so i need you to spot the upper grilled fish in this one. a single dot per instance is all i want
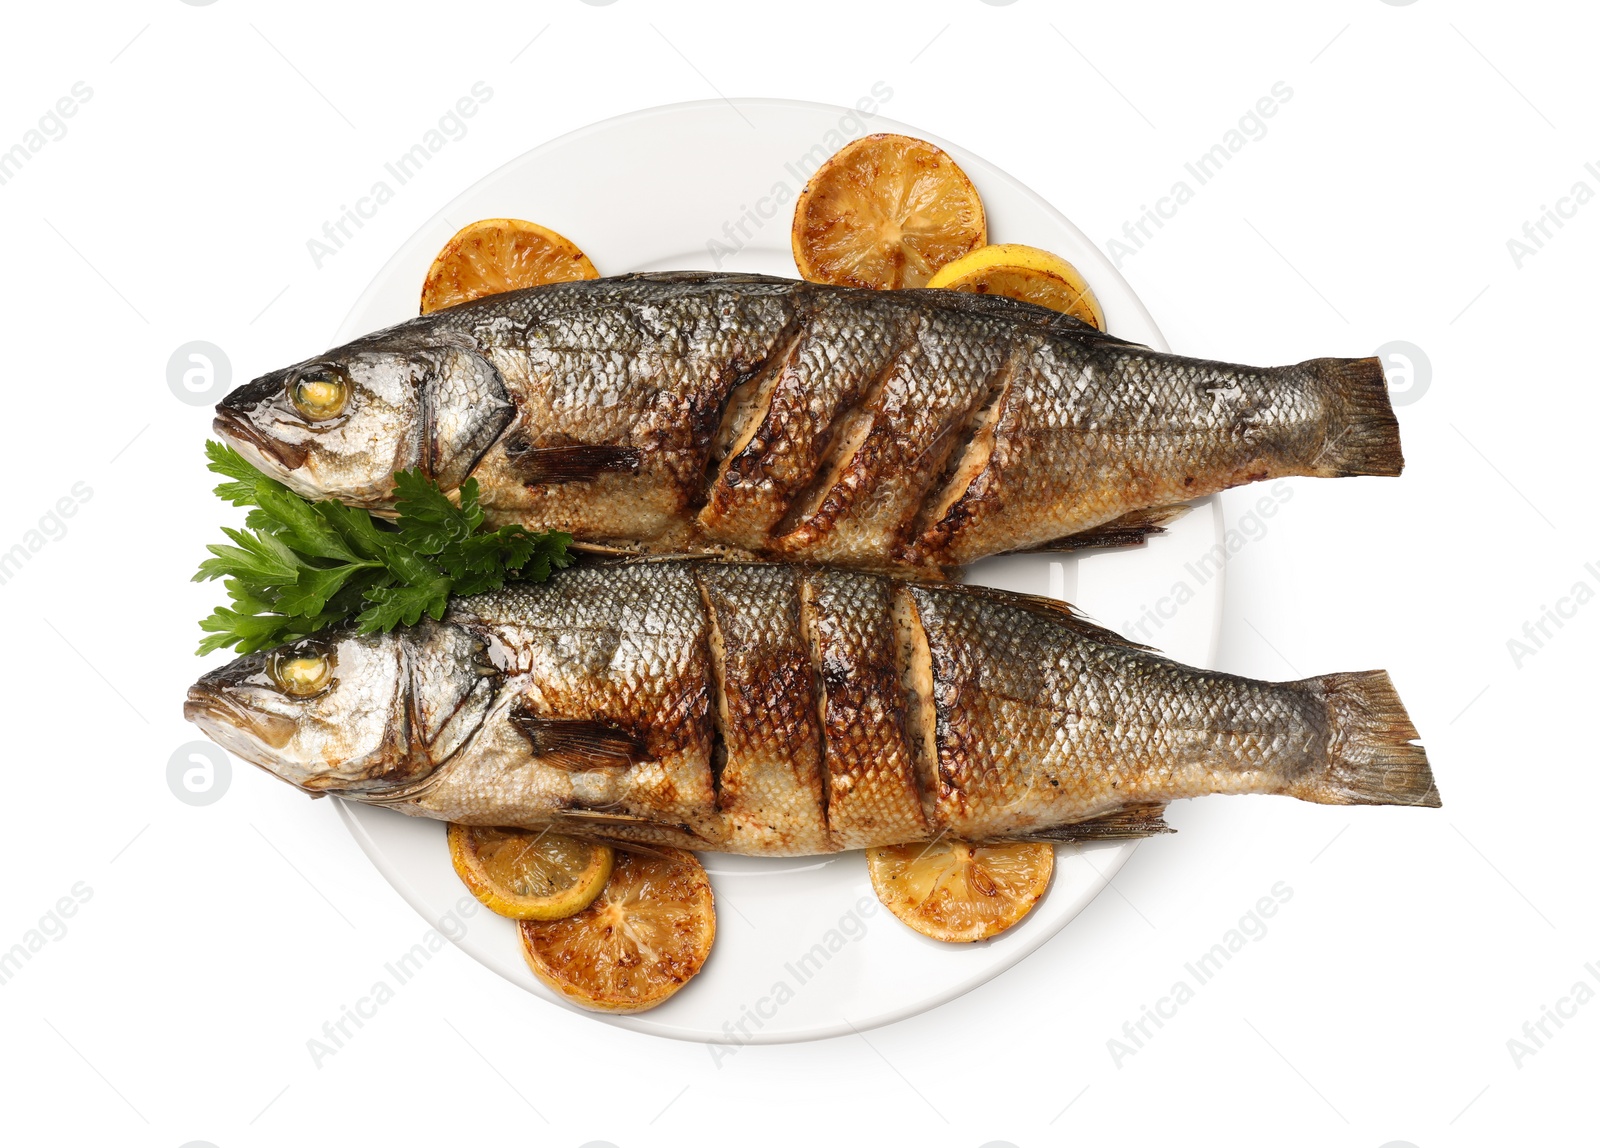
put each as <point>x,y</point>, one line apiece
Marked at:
<point>777,709</point>
<point>745,415</point>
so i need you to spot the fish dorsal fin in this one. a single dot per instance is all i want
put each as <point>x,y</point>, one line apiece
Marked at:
<point>575,743</point>
<point>1133,821</point>
<point>1065,613</point>
<point>569,462</point>
<point>1000,306</point>
<point>697,277</point>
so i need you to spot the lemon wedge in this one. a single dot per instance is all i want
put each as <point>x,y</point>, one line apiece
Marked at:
<point>885,211</point>
<point>528,875</point>
<point>953,891</point>
<point>1018,271</point>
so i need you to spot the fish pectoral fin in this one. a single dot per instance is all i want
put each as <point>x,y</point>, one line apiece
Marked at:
<point>572,462</point>
<point>1134,821</point>
<point>620,844</point>
<point>1132,529</point>
<point>575,743</point>
<point>600,818</point>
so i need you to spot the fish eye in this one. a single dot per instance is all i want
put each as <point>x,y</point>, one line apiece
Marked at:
<point>301,671</point>
<point>320,393</point>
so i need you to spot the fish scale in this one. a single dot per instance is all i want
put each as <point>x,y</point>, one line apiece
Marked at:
<point>776,709</point>
<point>872,784</point>
<point>771,790</point>
<point>739,415</point>
<point>773,709</point>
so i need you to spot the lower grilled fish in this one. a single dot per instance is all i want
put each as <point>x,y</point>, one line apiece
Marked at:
<point>776,709</point>
<point>743,415</point>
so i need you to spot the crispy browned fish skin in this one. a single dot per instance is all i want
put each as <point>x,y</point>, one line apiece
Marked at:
<point>775,709</point>
<point>744,415</point>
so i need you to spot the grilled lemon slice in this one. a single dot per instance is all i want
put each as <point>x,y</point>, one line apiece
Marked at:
<point>1018,271</point>
<point>526,875</point>
<point>952,891</point>
<point>885,211</point>
<point>496,255</point>
<point>641,940</point>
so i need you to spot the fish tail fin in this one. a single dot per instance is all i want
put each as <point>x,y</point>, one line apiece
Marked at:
<point>1372,755</point>
<point>1363,434</point>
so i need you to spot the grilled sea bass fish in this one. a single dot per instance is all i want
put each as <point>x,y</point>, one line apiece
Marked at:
<point>742,415</point>
<point>778,709</point>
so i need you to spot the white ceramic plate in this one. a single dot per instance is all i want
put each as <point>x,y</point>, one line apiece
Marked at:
<point>803,950</point>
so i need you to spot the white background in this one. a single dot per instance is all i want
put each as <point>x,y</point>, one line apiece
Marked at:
<point>215,941</point>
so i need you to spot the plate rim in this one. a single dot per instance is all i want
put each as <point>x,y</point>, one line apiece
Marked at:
<point>1116,858</point>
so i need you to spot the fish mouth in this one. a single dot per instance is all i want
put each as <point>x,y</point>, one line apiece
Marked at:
<point>234,427</point>
<point>224,719</point>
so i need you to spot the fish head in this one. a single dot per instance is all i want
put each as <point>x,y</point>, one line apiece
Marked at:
<point>363,715</point>
<point>339,426</point>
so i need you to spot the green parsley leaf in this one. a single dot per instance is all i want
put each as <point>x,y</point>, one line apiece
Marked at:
<point>298,566</point>
<point>389,606</point>
<point>429,522</point>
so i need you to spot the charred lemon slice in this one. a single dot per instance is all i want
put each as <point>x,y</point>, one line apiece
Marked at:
<point>1018,271</point>
<point>496,255</point>
<point>528,875</point>
<point>641,940</point>
<point>885,211</point>
<point>952,891</point>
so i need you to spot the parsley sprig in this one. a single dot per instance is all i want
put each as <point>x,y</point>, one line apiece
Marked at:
<point>299,566</point>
